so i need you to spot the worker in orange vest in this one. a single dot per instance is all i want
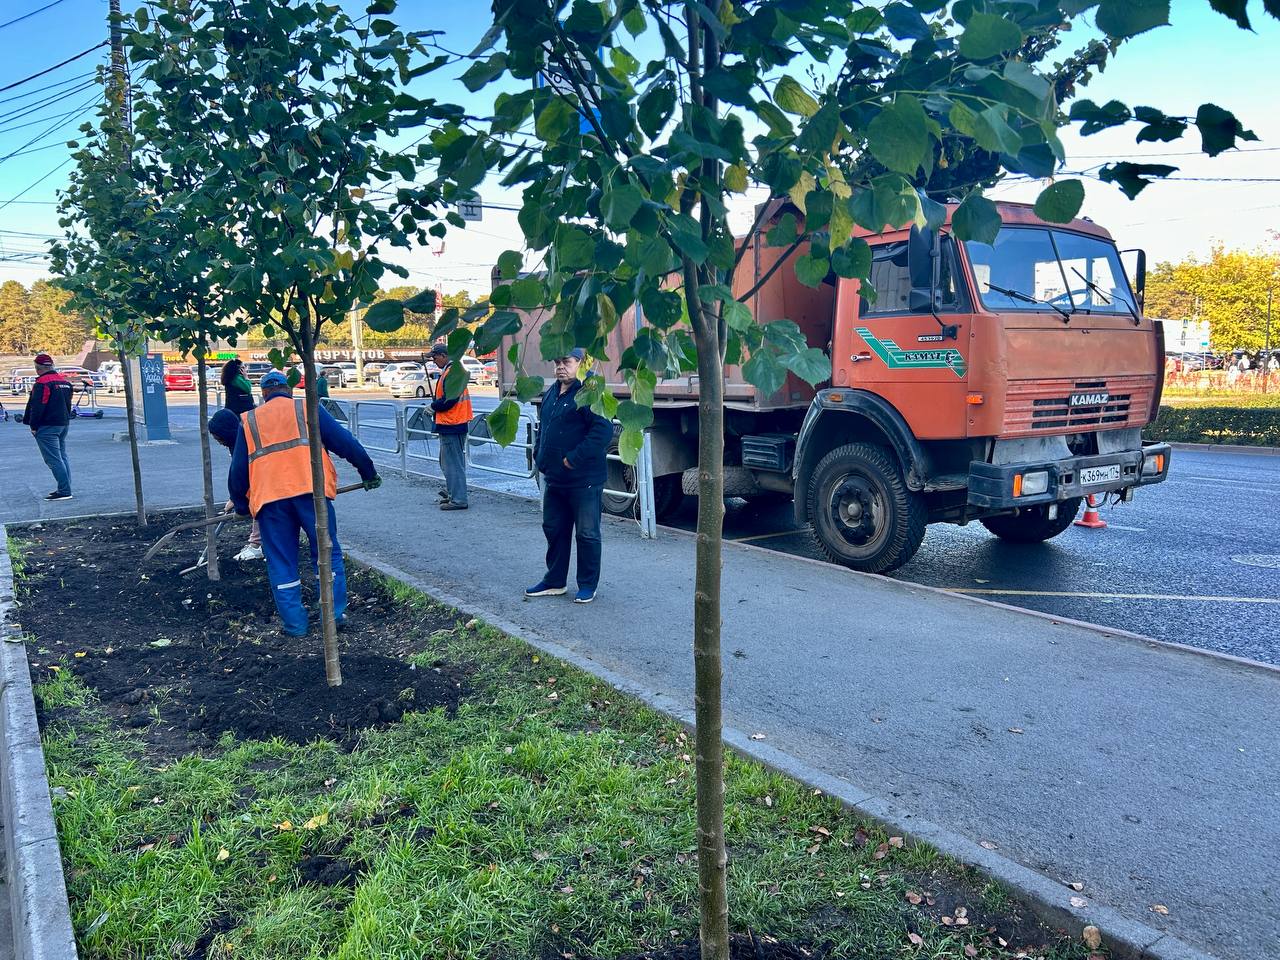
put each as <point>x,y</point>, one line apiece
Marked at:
<point>452,417</point>
<point>271,479</point>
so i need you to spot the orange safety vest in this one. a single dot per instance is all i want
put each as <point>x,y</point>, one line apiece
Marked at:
<point>460,412</point>
<point>280,454</point>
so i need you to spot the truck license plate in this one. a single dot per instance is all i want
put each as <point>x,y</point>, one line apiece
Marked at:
<point>1094,475</point>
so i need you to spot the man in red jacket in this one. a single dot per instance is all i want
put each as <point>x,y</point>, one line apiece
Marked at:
<point>48,414</point>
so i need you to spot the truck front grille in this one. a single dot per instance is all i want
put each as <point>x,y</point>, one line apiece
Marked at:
<point>1065,406</point>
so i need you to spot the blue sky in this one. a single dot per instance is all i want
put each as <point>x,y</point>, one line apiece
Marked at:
<point>1202,57</point>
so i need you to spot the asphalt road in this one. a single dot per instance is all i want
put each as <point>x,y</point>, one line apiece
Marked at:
<point>1194,560</point>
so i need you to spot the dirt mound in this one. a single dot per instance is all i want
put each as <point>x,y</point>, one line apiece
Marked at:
<point>326,871</point>
<point>741,947</point>
<point>185,660</point>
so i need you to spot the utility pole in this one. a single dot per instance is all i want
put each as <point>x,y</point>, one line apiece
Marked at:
<point>357,345</point>
<point>120,92</point>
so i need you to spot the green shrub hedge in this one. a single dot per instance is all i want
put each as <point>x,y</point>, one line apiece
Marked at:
<point>1253,426</point>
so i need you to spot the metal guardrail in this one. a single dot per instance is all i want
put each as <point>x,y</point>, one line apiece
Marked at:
<point>413,423</point>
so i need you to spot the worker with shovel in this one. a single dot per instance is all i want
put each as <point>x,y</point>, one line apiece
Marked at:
<point>271,479</point>
<point>222,427</point>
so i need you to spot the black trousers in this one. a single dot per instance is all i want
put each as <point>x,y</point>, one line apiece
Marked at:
<point>570,513</point>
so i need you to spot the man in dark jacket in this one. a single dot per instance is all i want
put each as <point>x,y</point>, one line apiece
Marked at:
<point>570,454</point>
<point>48,414</point>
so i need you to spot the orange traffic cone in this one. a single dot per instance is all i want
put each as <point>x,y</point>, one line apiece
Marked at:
<point>1091,518</point>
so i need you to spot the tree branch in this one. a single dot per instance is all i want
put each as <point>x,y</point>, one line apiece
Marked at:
<point>786,255</point>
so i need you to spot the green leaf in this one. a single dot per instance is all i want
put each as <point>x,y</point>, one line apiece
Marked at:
<point>735,178</point>
<point>687,236</point>
<point>509,264</point>
<point>1159,128</point>
<point>899,135</point>
<point>1095,118</point>
<point>554,121</point>
<point>424,301</point>
<point>634,21</point>
<point>619,205</point>
<point>529,387</point>
<point>142,19</point>
<point>662,308</point>
<point>1133,178</point>
<point>782,233</point>
<point>811,271</point>
<point>642,382</point>
<point>1060,202</point>
<point>764,372</point>
<point>793,98</point>
<point>737,314</point>
<point>630,443</point>
<point>1128,18</point>
<point>385,316</point>
<point>504,420</point>
<point>1024,75</point>
<point>995,134</point>
<point>654,108</point>
<point>1235,9</point>
<point>502,323</point>
<point>1219,129</point>
<point>527,293</point>
<point>820,130</point>
<point>905,22</point>
<point>987,35</point>
<point>574,248</point>
<point>634,416</point>
<point>976,219</point>
<point>853,260</point>
<point>483,72</point>
<point>810,365</point>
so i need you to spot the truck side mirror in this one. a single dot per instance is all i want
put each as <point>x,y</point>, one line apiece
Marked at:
<point>1139,276</point>
<point>923,250</point>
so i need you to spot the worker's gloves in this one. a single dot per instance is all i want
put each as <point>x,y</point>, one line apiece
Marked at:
<point>373,483</point>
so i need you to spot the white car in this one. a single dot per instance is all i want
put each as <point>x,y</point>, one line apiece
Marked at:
<point>393,371</point>
<point>479,373</point>
<point>346,372</point>
<point>113,375</point>
<point>414,383</point>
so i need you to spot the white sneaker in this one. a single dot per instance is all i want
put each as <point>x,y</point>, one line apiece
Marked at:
<point>251,551</point>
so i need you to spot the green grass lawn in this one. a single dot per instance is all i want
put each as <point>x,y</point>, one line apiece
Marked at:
<point>549,816</point>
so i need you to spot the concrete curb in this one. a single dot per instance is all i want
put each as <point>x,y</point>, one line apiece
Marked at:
<point>1050,900</point>
<point>41,915</point>
<point>1227,448</point>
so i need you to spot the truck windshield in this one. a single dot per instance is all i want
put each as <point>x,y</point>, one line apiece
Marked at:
<point>1050,269</point>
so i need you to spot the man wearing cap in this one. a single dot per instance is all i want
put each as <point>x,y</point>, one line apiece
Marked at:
<point>271,478</point>
<point>570,453</point>
<point>48,415</point>
<point>452,417</point>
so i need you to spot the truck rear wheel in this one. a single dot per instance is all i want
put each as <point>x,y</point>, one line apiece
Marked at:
<point>667,495</point>
<point>1032,524</point>
<point>862,512</point>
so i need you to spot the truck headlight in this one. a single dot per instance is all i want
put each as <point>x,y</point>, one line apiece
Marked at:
<point>1152,466</point>
<point>1032,484</point>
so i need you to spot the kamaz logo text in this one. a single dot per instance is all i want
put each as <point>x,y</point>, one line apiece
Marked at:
<point>1089,399</point>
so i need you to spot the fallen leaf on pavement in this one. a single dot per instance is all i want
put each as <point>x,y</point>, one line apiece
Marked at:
<point>223,853</point>
<point>820,830</point>
<point>882,851</point>
<point>1092,937</point>
<point>988,845</point>
<point>1160,908</point>
<point>1079,902</point>
<point>757,736</point>
<point>895,842</point>
<point>948,921</point>
<point>284,825</point>
<point>814,849</point>
<point>1076,885</point>
<point>319,820</point>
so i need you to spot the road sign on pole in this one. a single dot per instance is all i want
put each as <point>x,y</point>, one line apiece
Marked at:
<point>471,209</point>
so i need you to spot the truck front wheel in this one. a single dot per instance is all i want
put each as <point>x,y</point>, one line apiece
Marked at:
<point>862,512</point>
<point>1033,524</point>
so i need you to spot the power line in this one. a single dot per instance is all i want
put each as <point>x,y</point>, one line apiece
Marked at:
<point>82,53</point>
<point>35,184</point>
<point>32,123</point>
<point>49,86</point>
<point>85,108</point>
<point>49,101</point>
<point>27,16</point>
<point>1178,153</point>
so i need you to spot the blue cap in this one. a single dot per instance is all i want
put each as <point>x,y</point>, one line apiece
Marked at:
<point>577,353</point>
<point>275,378</point>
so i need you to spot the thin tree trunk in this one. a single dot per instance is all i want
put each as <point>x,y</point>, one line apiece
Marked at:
<point>707,666</point>
<point>133,438</point>
<point>206,464</point>
<point>324,564</point>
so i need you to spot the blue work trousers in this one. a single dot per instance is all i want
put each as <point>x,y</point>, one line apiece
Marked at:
<point>453,464</point>
<point>569,514</point>
<point>52,442</point>
<point>279,523</point>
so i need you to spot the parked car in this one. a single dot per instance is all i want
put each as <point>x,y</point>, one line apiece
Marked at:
<point>179,377</point>
<point>21,380</point>
<point>83,377</point>
<point>255,370</point>
<point>345,375</point>
<point>113,376</point>
<point>392,371</point>
<point>478,372</point>
<point>373,372</point>
<point>414,383</point>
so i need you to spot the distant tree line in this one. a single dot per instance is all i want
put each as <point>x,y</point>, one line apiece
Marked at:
<point>36,320</point>
<point>1228,289</point>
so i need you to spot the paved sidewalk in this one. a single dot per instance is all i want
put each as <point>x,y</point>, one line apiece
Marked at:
<point>1149,774</point>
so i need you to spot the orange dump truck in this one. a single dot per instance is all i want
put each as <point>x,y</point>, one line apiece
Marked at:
<point>994,382</point>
